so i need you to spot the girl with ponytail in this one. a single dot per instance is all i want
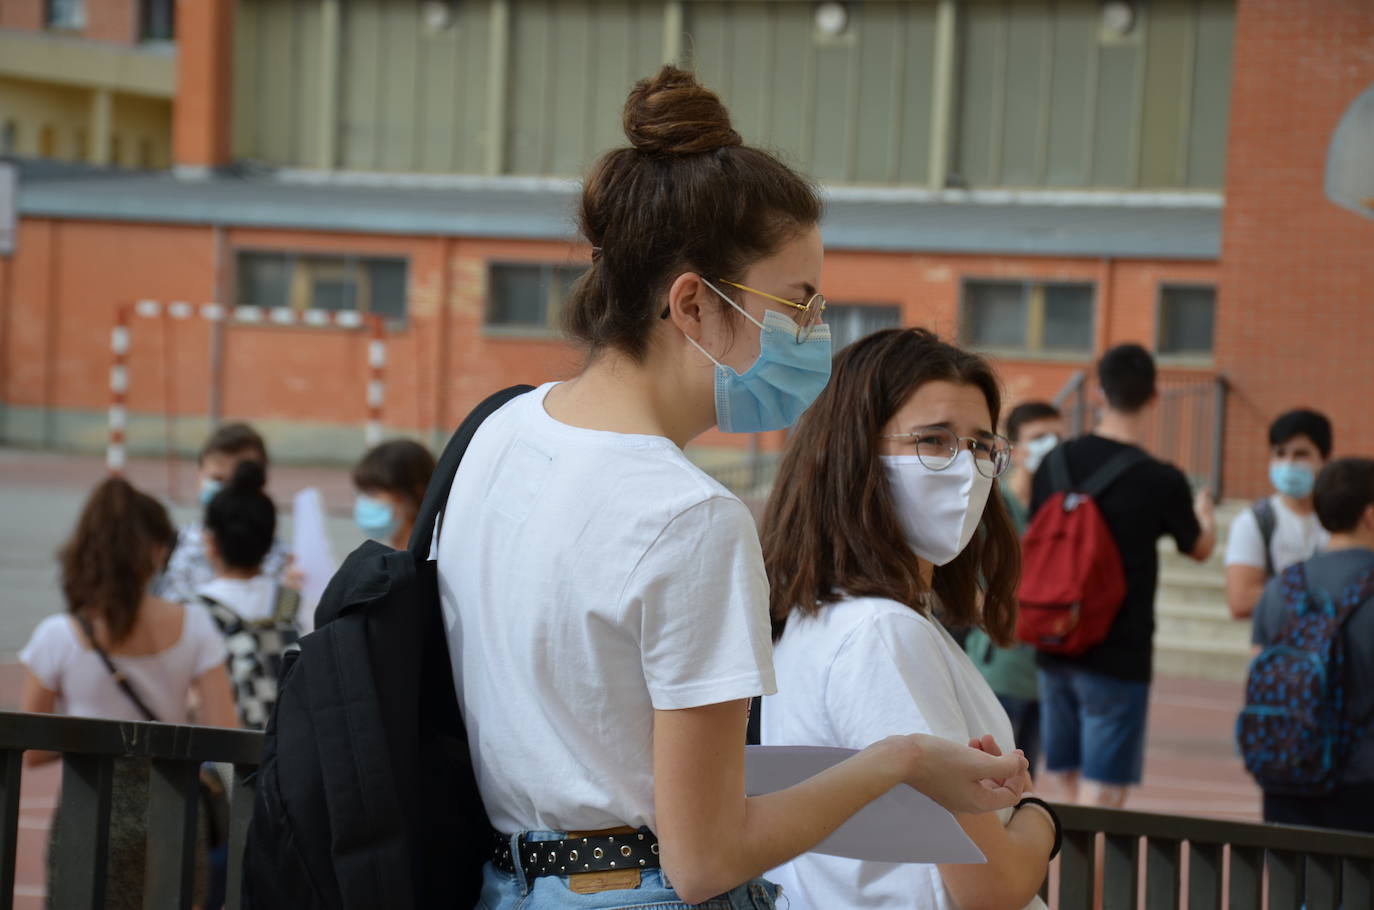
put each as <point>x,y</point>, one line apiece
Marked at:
<point>166,652</point>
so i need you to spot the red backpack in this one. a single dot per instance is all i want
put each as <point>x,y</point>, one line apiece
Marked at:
<point>1072,579</point>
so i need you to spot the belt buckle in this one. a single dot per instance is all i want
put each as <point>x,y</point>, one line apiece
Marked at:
<point>610,879</point>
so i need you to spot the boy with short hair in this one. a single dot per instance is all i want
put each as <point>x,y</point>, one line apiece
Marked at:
<point>1344,501</point>
<point>1093,705</point>
<point>1281,530</point>
<point>189,566</point>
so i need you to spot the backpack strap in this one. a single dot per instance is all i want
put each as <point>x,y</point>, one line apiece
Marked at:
<point>287,603</point>
<point>1110,472</point>
<point>1061,481</point>
<point>1268,521</point>
<point>436,495</point>
<point>1354,597</point>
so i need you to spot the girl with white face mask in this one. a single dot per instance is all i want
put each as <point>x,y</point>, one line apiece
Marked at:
<point>886,522</point>
<point>606,601</point>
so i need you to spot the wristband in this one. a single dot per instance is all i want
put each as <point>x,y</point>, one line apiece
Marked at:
<point>1054,819</point>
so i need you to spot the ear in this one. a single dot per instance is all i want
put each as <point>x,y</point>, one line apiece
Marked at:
<point>688,299</point>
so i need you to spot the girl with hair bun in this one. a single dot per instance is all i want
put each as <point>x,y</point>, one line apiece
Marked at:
<point>166,652</point>
<point>606,600</point>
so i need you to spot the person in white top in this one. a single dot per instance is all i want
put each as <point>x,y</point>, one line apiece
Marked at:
<point>882,532</point>
<point>605,600</point>
<point>171,655</point>
<point>1280,530</point>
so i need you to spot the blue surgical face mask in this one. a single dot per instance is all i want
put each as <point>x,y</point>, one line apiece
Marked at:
<point>782,383</point>
<point>375,518</point>
<point>1038,448</point>
<point>209,486</point>
<point>1292,478</point>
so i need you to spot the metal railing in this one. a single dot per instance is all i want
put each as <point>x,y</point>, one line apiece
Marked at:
<point>1186,426</point>
<point>1203,862</point>
<point>89,749</point>
<point>1208,864</point>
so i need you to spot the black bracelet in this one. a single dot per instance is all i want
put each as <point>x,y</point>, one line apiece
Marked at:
<point>1054,817</point>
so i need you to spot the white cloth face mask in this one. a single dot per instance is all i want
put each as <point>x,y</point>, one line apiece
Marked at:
<point>939,510</point>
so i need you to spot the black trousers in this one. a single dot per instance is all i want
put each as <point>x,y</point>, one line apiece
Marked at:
<point>1349,808</point>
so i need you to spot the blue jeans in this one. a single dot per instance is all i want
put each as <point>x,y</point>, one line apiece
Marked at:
<point>1093,723</point>
<point>502,891</point>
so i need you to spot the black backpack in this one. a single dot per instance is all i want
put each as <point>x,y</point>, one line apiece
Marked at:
<point>366,796</point>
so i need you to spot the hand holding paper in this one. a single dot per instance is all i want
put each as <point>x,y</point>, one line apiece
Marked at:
<point>902,826</point>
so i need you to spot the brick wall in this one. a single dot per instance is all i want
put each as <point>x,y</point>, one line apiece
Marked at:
<point>70,275</point>
<point>22,14</point>
<point>112,20</point>
<point>1295,322</point>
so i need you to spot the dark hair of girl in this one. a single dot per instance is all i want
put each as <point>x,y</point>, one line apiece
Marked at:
<point>113,554</point>
<point>687,195</point>
<point>243,518</point>
<point>401,467</point>
<point>830,528</point>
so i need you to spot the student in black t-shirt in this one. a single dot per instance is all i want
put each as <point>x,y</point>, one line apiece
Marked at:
<point>1093,706</point>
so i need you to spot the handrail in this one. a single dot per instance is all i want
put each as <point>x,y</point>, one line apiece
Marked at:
<point>1216,831</point>
<point>128,739</point>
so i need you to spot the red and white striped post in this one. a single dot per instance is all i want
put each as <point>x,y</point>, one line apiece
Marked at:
<point>115,455</point>
<point>119,390</point>
<point>376,380</point>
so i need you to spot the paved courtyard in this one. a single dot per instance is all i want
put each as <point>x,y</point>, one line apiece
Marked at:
<point>1191,766</point>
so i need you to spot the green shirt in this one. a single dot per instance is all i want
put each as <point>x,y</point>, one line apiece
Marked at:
<point>1009,671</point>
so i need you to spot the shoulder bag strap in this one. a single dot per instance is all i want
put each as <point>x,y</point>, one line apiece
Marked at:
<point>1268,522</point>
<point>1112,471</point>
<point>436,495</point>
<point>120,679</point>
<point>1061,481</point>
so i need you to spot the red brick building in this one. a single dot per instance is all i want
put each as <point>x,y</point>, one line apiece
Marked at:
<point>1044,262</point>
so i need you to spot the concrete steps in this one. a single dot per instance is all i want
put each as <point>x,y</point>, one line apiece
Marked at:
<point>1195,636</point>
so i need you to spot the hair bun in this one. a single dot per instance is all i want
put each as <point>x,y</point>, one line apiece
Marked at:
<point>674,114</point>
<point>249,477</point>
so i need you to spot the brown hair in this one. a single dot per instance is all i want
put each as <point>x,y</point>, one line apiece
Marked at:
<point>688,195</point>
<point>401,466</point>
<point>235,439</point>
<point>109,559</point>
<point>830,528</point>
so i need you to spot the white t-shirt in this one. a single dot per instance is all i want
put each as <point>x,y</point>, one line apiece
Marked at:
<point>861,670</point>
<point>58,656</point>
<point>253,599</point>
<point>588,578</point>
<point>1296,538</point>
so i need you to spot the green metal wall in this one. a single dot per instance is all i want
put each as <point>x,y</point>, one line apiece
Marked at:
<point>1039,97</point>
<point>1046,100</point>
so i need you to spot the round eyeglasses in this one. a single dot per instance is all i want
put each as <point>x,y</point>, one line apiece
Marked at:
<point>811,311</point>
<point>937,447</point>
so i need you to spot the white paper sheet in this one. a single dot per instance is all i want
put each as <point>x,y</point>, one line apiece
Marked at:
<point>902,826</point>
<point>310,547</point>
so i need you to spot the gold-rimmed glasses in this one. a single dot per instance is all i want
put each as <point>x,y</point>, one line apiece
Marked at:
<point>811,311</point>
<point>937,447</point>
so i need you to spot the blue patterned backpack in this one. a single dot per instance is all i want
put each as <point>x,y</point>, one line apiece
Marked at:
<point>1294,732</point>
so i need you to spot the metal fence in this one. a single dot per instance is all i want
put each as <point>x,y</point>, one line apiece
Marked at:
<point>1174,860</point>
<point>89,749</point>
<point>1186,426</point>
<point>1205,863</point>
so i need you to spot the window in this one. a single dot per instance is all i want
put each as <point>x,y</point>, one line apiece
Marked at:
<point>528,296</point>
<point>66,13</point>
<point>157,20</point>
<point>1027,317</point>
<point>851,321</point>
<point>1187,320</point>
<point>301,281</point>
<point>9,138</point>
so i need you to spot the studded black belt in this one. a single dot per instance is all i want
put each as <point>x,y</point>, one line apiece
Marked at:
<point>575,853</point>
